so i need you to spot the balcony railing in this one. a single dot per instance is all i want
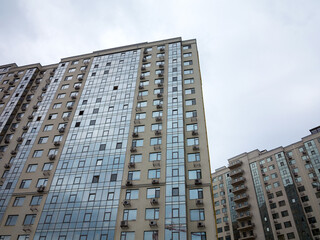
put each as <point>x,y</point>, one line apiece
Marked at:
<point>235,164</point>
<point>241,197</point>
<point>244,215</point>
<point>239,189</point>
<point>236,172</point>
<point>238,180</point>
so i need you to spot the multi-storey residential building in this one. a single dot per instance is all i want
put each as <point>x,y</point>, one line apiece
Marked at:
<point>270,194</point>
<point>106,145</point>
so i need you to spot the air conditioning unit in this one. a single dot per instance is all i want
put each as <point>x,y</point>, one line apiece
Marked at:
<point>61,130</point>
<point>156,163</point>
<point>155,181</point>
<point>141,87</point>
<point>46,173</point>
<point>158,119</point>
<point>200,225</point>
<point>290,157</point>
<point>41,188</point>
<point>196,148</point>
<point>30,117</point>
<point>44,89</point>
<point>80,78</point>
<point>199,202</point>
<point>19,139</point>
<point>142,77</point>
<point>51,73</point>
<point>7,165</point>
<point>132,165</point>
<point>65,118</point>
<point>135,134</point>
<point>159,106</point>
<point>40,98</point>
<point>160,74</point>
<point>153,223</point>
<point>27,228</point>
<point>52,156</point>
<point>194,132</point>
<point>160,84</point>
<point>34,209</point>
<point>143,68</point>
<point>7,140</point>
<point>154,201</point>
<point>129,183</point>
<point>197,182</point>
<point>57,143</point>
<point>124,224</point>
<point>133,149</point>
<point>70,107</point>
<point>126,203</point>
<point>157,132</point>
<point>13,152</point>
<point>13,129</point>
<point>161,66</point>
<point>73,97</point>
<point>16,75</point>
<point>25,128</point>
<point>144,60</point>
<point>77,87</point>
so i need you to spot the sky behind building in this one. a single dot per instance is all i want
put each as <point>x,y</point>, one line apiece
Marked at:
<point>259,59</point>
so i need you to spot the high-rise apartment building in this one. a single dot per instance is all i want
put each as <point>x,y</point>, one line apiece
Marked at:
<point>270,194</point>
<point>106,145</point>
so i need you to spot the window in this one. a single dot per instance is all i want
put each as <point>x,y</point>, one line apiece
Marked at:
<point>65,86</point>
<point>287,224</point>
<point>140,115</point>
<point>142,104</point>
<point>284,213</point>
<point>282,203</point>
<point>61,95</point>
<point>129,214</point>
<point>191,114</point>
<point>67,218</point>
<point>153,192</point>
<point>193,157</point>
<point>185,47</point>
<point>157,114</point>
<point>92,122</point>
<point>137,143</point>
<point>119,145</point>
<point>152,213</point>
<point>11,220</point>
<point>190,91</point>
<point>175,192</point>
<point>37,153</point>
<point>192,141</point>
<point>155,141</point>
<point>127,236</point>
<point>188,71</point>
<point>189,54</point>
<point>192,127</point>
<point>155,156</point>
<point>29,219</point>
<point>138,129</point>
<point>57,105</point>
<point>196,193</point>
<point>43,140</point>
<point>190,102</point>
<point>95,179</point>
<point>136,158</point>
<point>197,214</point>
<point>194,174</point>
<point>153,173</point>
<point>134,175</point>
<point>187,63</point>
<point>48,128</point>
<point>87,217</point>
<point>290,235</point>
<point>42,182</point>
<point>36,200</point>
<point>132,194</point>
<point>150,235</point>
<point>18,201</point>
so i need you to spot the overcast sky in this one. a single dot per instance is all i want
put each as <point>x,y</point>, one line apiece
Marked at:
<point>260,59</point>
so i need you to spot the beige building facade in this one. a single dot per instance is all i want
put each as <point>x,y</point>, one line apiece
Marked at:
<point>270,194</point>
<point>106,145</point>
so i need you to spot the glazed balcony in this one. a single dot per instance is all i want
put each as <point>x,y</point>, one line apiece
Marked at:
<point>243,216</point>
<point>241,197</point>
<point>237,181</point>
<point>241,207</point>
<point>239,189</point>
<point>237,172</point>
<point>235,164</point>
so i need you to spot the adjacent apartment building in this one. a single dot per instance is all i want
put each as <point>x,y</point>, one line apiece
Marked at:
<point>270,194</point>
<point>106,145</point>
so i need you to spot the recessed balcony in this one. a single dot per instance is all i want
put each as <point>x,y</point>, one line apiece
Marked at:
<point>237,181</point>
<point>248,237</point>
<point>236,172</point>
<point>241,207</point>
<point>234,164</point>
<point>241,197</point>
<point>245,227</point>
<point>243,216</point>
<point>239,189</point>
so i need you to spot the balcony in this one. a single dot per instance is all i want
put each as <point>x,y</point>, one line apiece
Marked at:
<point>248,237</point>
<point>240,198</point>
<point>238,181</point>
<point>239,189</point>
<point>241,207</point>
<point>243,216</point>
<point>246,227</point>
<point>236,172</point>
<point>235,164</point>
